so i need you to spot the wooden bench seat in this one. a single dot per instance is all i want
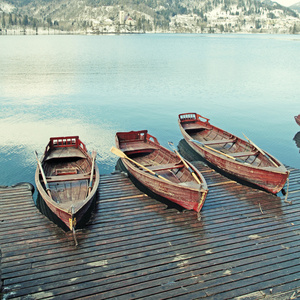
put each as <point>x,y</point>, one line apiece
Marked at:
<point>190,184</point>
<point>70,177</point>
<point>138,146</point>
<point>165,167</point>
<point>63,153</point>
<point>241,154</point>
<point>217,142</point>
<point>195,126</point>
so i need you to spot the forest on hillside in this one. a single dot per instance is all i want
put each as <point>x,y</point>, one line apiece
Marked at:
<point>147,15</point>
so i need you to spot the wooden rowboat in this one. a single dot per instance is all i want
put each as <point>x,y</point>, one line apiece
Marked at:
<point>297,119</point>
<point>162,171</point>
<point>232,154</point>
<point>67,179</point>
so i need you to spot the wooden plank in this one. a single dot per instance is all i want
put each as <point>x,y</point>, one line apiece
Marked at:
<point>165,167</point>
<point>241,154</point>
<point>134,247</point>
<point>195,126</point>
<point>216,142</point>
<point>71,177</point>
<point>134,276</point>
<point>136,146</point>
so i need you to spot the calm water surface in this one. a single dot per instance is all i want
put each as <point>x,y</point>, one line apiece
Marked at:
<point>94,86</point>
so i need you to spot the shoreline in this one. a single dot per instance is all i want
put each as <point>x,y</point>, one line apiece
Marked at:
<point>42,31</point>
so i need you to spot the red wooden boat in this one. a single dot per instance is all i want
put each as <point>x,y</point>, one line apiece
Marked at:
<point>231,154</point>
<point>67,179</point>
<point>297,119</point>
<point>162,171</point>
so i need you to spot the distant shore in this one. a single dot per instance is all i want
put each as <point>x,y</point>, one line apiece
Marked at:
<point>52,31</point>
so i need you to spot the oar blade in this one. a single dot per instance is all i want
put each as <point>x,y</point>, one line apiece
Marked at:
<point>171,144</point>
<point>117,152</point>
<point>94,154</point>
<point>36,155</point>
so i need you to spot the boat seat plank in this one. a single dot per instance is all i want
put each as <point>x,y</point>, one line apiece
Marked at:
<point>65,153</point>
<point>70,177</point>
<point>190,184</point>
<point>216,142</point>
<point>241,154</point>
<point>136,146</point>
<point>195,126</point>
<point>166,167</point>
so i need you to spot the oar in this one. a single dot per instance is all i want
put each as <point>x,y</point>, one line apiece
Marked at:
<point>261,151</point>
<point>121,154</point>
<point>94,154</point>
<point>43,175</point>
<point>184,162</point>
<point>203,145</point>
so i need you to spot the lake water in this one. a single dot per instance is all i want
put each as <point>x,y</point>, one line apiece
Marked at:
<point>94,86</point>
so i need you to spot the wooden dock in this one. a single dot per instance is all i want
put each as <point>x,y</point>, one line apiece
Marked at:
<point>246,245</point>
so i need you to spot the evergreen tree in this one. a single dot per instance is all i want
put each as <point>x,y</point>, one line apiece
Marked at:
<point>3,21</point>
<point>34,23</point>
<point>49,21</point>
<point>25,21</point>
<point>139,24</point>
<point>10,21</point>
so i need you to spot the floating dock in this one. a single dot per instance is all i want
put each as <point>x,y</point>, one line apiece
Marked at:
<point>245,246</point>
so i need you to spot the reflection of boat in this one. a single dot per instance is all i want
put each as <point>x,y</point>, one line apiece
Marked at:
<point>297,139</point>
<point>67,179</point>
<point>297,119</point>
<point>231,154</point>
<point>161,170</point>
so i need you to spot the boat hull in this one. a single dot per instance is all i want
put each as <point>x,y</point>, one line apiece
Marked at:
<point>297,119</point>
<point>173,180</point>
<point>191,199</point>
<point>78,201</point>
<point>64,216</point>
<point>271,179</point>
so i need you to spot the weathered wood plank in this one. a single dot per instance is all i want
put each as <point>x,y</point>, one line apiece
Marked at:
<point>134,247</point>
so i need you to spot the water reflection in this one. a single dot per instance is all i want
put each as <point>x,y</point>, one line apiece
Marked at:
<point>34,68</point>
<point>297,139</point>
<point>35,86</point>
<point>94,86</point>
<point>28,133</point>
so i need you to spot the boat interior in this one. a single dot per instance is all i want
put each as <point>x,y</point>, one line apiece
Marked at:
<point>67,172</point>
<point>224,142</point>
<point>158,160</point>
